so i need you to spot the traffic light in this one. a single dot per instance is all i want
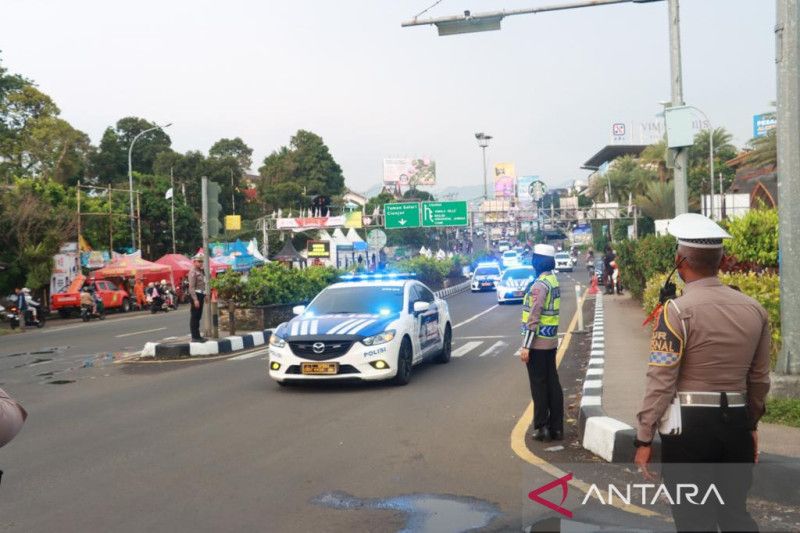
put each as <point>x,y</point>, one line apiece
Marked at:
<point>214,209</point>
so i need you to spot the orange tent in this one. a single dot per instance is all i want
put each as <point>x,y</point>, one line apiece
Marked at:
<point>134,267</point>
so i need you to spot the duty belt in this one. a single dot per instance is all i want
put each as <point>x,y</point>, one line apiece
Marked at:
<point>712,399</point>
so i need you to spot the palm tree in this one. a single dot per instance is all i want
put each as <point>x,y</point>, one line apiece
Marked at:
<point>658,200</point>
<point>764,152</point>
<point>656,154</point>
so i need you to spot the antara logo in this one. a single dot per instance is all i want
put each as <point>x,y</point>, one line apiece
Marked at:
<point>563,482</point>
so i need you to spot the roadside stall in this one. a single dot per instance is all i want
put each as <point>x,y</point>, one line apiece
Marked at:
<point>290,256</point>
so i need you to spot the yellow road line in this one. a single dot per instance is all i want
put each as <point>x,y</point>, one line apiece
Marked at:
<point>522,425</point>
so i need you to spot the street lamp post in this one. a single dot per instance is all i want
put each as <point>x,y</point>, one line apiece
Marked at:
<point>483,142</point>
<point>130,177</point>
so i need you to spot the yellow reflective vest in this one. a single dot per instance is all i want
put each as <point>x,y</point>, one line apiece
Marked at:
<point>548,319</point>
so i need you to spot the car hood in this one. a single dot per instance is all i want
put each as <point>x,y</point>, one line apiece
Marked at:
<point>362,325</point>
<point>515,283</point>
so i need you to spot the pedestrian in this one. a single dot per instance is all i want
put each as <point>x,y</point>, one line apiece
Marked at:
<point>12,417</point>
<point>709,372</point>
<point>608,270</point>
<point>138,291</point>
<point>540,316</point>
<point>22,307</point>
<point>590,263</point>
<point>197,292</point>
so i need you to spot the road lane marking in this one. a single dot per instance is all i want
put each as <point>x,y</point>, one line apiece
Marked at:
<point>485,337</point>
<point>520,429</point>
<point>493,348</point>
<point>248,355</point>
<point>45,331</point>
<point>139,332</point>
<point>464,350</point>
<point>467,321</point>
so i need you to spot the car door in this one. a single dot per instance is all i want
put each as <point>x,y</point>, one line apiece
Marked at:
<point>429,335</point>
<point>113,297</point>
<point>102,291</point>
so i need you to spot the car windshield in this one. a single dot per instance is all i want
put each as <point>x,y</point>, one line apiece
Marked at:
<point>509,254</point>
<point>373,300</point>
<point>518,273</point>
<point>562,255</point>
<point>487,271</point>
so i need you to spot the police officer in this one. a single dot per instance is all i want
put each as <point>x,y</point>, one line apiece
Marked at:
<point>709,372</point>
<point>540,317</point>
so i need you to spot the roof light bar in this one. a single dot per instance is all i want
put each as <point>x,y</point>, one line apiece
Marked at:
<point>377,276</point>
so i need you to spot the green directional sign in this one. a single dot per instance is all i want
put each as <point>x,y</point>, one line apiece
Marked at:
<point>440,214</point>
<point>405,215</point>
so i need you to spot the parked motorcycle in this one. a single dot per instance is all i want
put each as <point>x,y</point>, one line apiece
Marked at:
<point>157,304</point>
<point>13,318</point>
<point>88,313</point>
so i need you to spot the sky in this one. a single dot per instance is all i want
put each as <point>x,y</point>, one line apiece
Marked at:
<point>547,87</point>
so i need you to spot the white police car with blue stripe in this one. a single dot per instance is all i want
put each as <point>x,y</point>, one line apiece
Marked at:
<point>367,327</point>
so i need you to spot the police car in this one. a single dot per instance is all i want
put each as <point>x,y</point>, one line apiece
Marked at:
<point>512,284</point>
<point>485,277</point>
<point>368,327</point>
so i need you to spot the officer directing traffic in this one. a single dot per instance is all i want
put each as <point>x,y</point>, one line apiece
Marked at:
<point>540,315</point>
<point>707,380</point>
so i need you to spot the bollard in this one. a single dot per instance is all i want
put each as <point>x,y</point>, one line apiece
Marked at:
<point>214,319</point>
<point>579,307</point>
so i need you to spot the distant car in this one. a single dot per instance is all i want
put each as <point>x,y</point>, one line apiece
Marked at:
<point>503,246</point>
<point>69,300</point>
<point>513,282</point>
<point>485,277</point>
<point>372,327</point>
<point>510,258</point>
<point>563,262</point>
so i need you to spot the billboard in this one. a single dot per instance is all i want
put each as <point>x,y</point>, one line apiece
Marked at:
<point>406,172</point>
<point>524,191</point>
<point>763,123</point>
<point>504,180</point>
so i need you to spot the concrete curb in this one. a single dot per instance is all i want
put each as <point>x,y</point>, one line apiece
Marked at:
<point>606,437</point>
<point>226,345</point>
<point>455,289</point>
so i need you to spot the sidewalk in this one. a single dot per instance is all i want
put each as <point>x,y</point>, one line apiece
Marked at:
<point>627,345</point>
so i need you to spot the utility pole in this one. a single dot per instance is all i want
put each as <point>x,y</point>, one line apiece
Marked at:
<point>206,271</point>
<point>110,222</point>
<point>139,218</point>
<point>172,206</point>
<point>787,35</point>
<point>78,193</point>
<point>676,78</point>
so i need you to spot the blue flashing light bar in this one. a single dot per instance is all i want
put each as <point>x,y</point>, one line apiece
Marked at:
<point>377,276</point>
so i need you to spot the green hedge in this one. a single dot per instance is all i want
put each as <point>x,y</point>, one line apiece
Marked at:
<point>642,259</point>
<point>764,288</point>
<point>755,237</point>
<point>274,283</point>
<point>433,271</point>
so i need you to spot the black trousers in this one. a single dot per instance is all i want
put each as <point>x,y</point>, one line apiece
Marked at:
<point>548,398</point>
<point>195,316</point>
<point>715,446</point>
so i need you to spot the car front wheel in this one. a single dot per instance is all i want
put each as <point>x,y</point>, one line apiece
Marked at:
<point>447,346</point>
<point>404,362</point>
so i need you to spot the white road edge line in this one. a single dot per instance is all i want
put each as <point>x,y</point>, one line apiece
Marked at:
<point>248,355</point>
<point>467,321</point>
<point>139,332</point>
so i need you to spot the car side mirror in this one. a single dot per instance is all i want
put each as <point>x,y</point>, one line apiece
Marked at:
<point>421,307</point>
<point>299,309</point>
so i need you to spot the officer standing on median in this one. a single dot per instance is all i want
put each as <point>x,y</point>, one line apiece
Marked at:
<point>540,318</point>
<point>707,381</point>
<point>197,292</point>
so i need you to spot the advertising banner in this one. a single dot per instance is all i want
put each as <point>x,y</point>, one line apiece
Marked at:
<point>524,191</point>
<point>233,222</point>
<point>763,123</point>
<point>353,220</point>
<point>504,180</point>
<point>406,172</point>
<point>311,222</point>
<point>66,267</point>
<point>318,249</point>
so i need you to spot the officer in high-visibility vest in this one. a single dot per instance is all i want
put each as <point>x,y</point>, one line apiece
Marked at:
<point>540,316</point>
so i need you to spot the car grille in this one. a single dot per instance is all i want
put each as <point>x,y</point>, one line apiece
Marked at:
<point>305,349</point>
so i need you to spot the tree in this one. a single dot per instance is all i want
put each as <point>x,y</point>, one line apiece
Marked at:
<point>656,155</point>
<point>698,175</point>
<point>378,201</point>
<point>765,151</point>
<point>307,162</point>
<point>156,224</point>
<point>110,163</point>
<point>233,148</point>
<point>626,175</point>
<point>658,200</point>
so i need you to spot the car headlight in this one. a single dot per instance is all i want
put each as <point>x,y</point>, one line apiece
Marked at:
<point>380,338</point>
<point>276,341</point>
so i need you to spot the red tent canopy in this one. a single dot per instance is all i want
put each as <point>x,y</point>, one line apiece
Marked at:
<point>134,267</point>
<point>181,265</point>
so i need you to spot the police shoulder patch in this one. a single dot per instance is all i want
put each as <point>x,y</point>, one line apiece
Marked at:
<point>666,345</point>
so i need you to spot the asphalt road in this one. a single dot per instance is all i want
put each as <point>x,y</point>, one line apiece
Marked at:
<point>53,352</point>
<point>217,446</point>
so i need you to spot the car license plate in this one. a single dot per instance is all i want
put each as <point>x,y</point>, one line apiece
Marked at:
<point>319,368</point>
<point>518,294</point>
<point>486,284</point>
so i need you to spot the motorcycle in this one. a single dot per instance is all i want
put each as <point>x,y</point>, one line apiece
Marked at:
<point>13,318</point>
<point>157,303</point>
<point>88,313</point>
